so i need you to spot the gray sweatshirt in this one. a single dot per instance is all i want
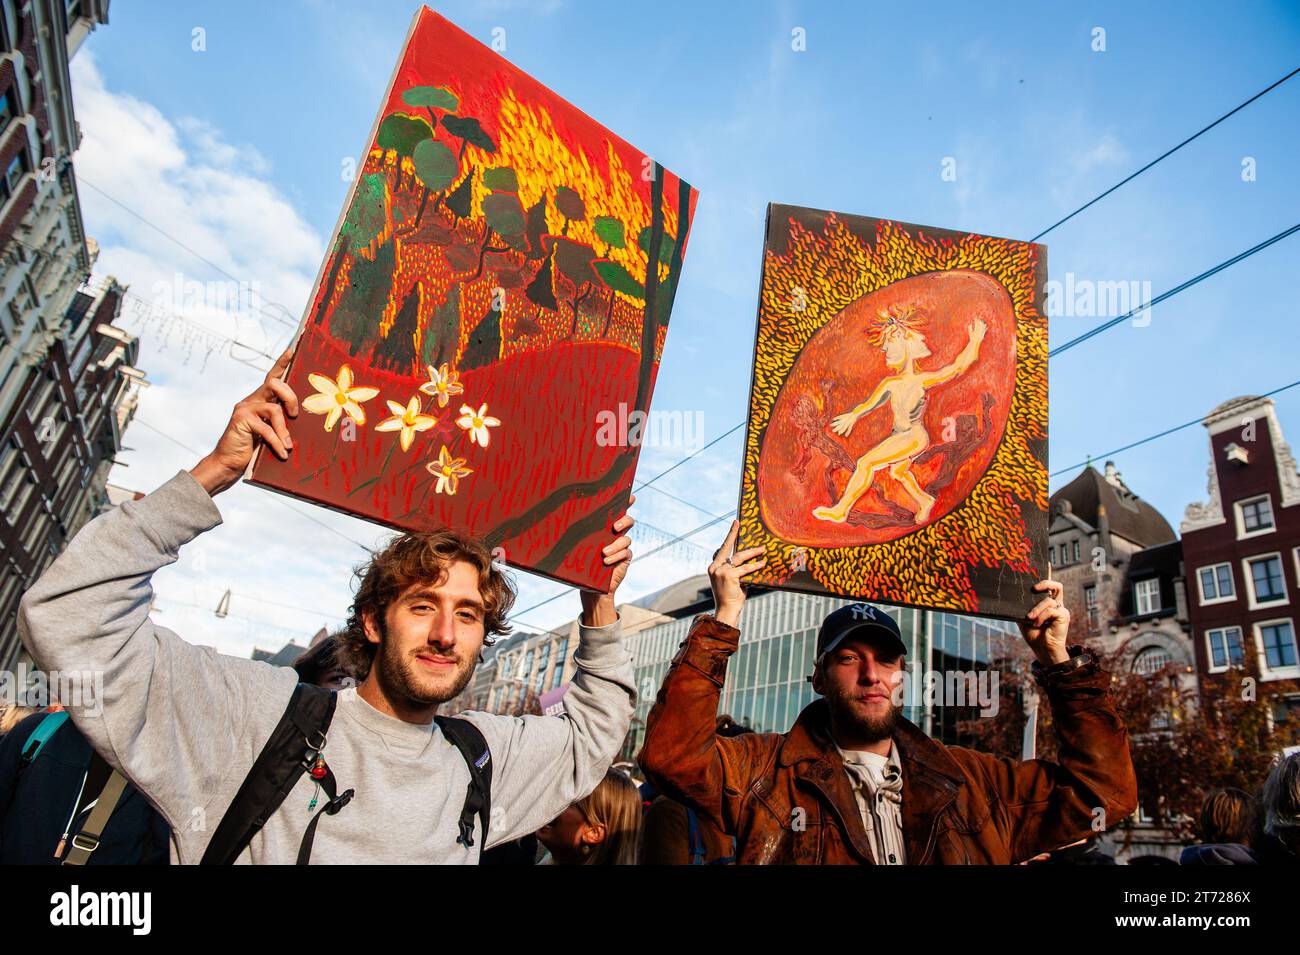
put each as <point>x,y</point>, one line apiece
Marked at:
<point>184,723</point>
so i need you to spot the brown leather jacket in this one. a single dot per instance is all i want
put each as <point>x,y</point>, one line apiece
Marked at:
<point>959,806</point>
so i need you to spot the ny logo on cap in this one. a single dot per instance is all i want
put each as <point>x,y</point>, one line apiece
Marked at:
<point>861,611</point>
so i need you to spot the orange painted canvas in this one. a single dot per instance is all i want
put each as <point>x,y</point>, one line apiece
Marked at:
<point>897,440</point>
<point>499,282</point>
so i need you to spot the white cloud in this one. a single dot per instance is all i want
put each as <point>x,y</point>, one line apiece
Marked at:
<point>1108,151</point>
<point>213,197</point>
<point>207,141</point>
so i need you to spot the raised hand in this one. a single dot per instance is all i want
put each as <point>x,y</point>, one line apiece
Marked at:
<point>599,609</point>
<point>258,418</point>
<point>725,573</point>
<point>1046,627</point>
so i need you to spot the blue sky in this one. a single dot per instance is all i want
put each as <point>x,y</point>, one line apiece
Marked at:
<point>238,150</point>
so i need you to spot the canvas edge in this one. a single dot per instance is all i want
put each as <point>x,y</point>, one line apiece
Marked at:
<point>741,543</point>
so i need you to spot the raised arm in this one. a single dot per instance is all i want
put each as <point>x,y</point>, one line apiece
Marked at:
<point>172,715</point>
<point>965,358</point>
<point>683,754</point>
<point>1089,789</point>
<point>544,764</point>
<point>1092,786</point>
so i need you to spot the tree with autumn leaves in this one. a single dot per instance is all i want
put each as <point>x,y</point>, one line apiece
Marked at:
<point>1185,739</point>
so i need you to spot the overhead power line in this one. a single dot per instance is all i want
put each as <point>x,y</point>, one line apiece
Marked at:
<point>688,457</point>
<point>1166,154</point>
<point>1111,323</point>
<point>1160,434</point>
<point>81,180</point>
<point>274,497</point>
<point>170,315</point>
<point>676,540</point>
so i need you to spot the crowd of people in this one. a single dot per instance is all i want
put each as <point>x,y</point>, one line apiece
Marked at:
<point>196,757</point>
<point>623,821</point>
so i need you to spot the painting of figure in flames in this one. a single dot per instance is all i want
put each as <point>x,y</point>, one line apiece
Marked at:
<point>502,273</point>
<point>897,437</point>
<point>899,336</point>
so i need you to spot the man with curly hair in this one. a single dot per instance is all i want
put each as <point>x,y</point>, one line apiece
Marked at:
<point>185,724</point>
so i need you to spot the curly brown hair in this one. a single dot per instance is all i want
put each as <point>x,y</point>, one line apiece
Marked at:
<point>415,558</point>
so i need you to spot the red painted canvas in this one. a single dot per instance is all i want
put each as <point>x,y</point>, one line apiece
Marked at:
<point>501,277</point>
<point>897,443</point>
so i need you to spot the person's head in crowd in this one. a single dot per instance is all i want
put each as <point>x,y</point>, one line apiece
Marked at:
<point>424,608</point>
<point>859,664</point>
<point>727,727</point>
<point>1226,816</point>
<point>601,829</point>
<point>12,714</point>
<point>1279,805</point>
<point>322,666</point>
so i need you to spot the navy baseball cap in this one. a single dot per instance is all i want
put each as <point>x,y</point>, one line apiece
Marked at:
<point>855,619</point>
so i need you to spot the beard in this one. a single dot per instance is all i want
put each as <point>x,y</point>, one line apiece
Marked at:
<point>404,678</point>
<point>847,716</point>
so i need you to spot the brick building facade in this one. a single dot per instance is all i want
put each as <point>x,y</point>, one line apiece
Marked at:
<point>1241,548</point>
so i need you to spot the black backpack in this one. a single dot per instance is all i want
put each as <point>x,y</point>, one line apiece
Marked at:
<point>295,743</point>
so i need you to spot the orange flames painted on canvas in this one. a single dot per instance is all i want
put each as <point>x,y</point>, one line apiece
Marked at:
<point>897,440</point>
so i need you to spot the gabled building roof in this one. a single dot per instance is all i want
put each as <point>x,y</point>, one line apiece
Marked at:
<point>1129,516</point>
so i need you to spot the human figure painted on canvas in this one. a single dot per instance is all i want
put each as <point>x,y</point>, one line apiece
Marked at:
<point>898,333</point>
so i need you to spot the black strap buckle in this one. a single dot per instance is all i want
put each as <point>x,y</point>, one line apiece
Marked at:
<point>339,801</point>
<point>466,837</point>
<point>85,843</point>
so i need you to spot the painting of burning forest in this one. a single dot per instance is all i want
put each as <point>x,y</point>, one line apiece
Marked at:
<point>503,272</point>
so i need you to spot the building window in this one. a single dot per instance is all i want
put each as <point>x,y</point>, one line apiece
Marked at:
<point>1146,596</point>
<point>1226,648</point>
<point>1254,516</point>
<point>13,175</point>
<point>1286,709</point>
<point>1051,554</point>
<point>561,654</point>
<point>1266,583</point>
<point>1151,660</point>
<point>1075,549</point>
<point>543,660</point>
<point>1090,603</point>
<point>1216,584</point>
<point>7,110</point>
<point>1277,648</point>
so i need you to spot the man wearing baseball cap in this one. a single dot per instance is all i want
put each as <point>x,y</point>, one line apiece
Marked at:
<point>853,781</point>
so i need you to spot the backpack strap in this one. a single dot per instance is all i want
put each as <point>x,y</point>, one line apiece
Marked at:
<point>86,841</point>
<point>478,795</point>
<point>47,727</point>
<point>332,806</point>
<point>695,839</point>
<point>291,750</point>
